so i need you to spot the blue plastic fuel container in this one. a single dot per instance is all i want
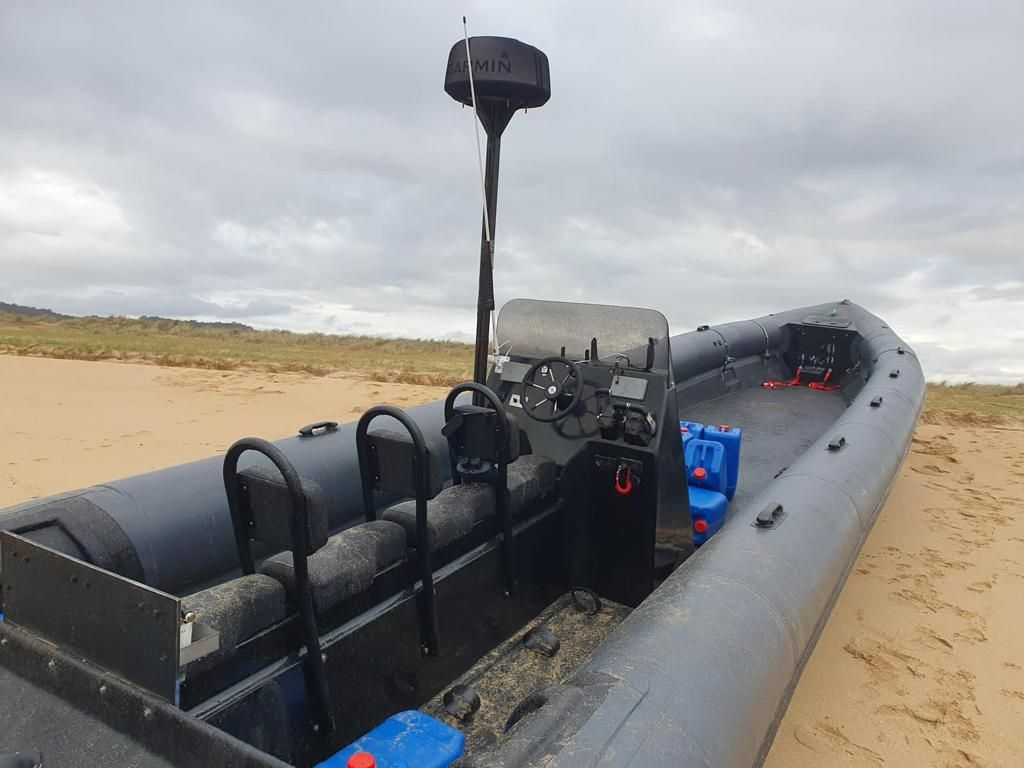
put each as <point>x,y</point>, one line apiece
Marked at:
<point>730,438</point>
<point>706,465</point>
<point>707,511</point>
<point>406,740</point>
<point>692,427</point>
<point>690,430</point>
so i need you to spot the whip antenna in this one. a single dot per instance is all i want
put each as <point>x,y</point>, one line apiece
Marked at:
<point>476,131</point>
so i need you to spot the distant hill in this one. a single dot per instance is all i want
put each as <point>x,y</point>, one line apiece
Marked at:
<point>199,323</point>
<point>20,309</point>
<point>48,314</point>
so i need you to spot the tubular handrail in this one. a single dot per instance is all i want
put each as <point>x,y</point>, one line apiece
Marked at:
<point>502,507</point>
<point>300,555</point>
<point>430,635</point>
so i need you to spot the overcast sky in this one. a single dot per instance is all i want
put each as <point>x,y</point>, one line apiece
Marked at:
<point>298,165</point>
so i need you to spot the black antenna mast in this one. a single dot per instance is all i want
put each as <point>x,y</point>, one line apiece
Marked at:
<point>497,76</point>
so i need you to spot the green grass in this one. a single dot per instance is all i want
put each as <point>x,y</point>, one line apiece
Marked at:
<point>988,399</point>
<point>444,363</point>
<point>179,343</point>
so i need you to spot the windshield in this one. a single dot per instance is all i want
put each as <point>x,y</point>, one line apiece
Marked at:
<point>533,328</point>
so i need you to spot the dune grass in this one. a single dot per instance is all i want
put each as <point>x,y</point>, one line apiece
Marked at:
<point>184,344</point>
<point>445,363</point>
<point>989,399</point>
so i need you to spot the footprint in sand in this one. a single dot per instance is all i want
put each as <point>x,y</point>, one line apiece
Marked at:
<point>982,586</point>
<point>930,469</point>
<point>929,638</point>
<point>824,737</point>
<point>936,446</point>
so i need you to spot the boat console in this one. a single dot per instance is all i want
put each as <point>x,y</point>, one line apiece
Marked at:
<point>591,386</point>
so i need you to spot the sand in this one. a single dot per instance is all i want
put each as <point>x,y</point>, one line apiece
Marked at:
<point>67,423</point>
<point>921,663</point>
<point>922,660</point>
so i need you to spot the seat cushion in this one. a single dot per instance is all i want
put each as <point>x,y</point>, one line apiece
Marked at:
<point>450,515</point>
<point>239,608</point>
<point>530,478</point>
<point>345,565</point>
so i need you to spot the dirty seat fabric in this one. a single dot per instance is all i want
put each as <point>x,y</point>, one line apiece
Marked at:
<point>450,515</point>
<point>345,566</point>
<point>530,478</point>
<point>239,608</point>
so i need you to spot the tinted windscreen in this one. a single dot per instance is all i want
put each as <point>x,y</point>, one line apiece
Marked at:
<point>541,328</point>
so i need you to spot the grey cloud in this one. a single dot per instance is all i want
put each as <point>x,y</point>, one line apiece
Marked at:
<point>301,166</point>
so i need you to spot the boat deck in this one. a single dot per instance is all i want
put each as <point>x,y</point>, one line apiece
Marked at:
<point>778,425</point>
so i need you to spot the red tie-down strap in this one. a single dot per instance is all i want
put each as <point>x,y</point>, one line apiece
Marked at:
<point>823,385</point>
<point>794,382</point>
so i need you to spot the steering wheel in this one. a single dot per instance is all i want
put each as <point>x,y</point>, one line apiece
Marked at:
<point>551,380</point>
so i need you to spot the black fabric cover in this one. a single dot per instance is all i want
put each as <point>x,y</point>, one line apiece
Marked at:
<point>271,509</point>
<point>239,608</point>
<point>345,566</point>
<point>516,438</point>
<point>393,457</point>
<point>450,516</point>
<point>530,478</point>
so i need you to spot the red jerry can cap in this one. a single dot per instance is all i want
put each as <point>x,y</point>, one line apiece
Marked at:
<point>700,473</point>
<point>362,760</point>
<point>725,427</point>
<point>700,526</point>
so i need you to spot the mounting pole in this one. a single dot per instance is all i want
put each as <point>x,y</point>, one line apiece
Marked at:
<point>507,75</point>
<point>494,118</point>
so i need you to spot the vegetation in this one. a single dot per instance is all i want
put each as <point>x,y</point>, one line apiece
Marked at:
<point>989,399</point>
<point>231,346</point>
<point>220,346</point>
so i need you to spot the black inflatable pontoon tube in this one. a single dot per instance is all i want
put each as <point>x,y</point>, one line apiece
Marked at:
<point>171,528</point>
<point>701,672</point>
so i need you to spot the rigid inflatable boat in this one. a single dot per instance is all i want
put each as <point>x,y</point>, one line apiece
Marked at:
<point>616,547</point>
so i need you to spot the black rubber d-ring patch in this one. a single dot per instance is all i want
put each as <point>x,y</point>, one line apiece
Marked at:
<point>586,600</point>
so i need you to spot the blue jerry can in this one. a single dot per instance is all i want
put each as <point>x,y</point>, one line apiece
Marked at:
<point>692,427</point>
<point>406,740</point>
<point>707,511</point>
<point>706,465</point>
<point>730,438</point>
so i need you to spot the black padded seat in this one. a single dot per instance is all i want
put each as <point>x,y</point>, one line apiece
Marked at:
<point>530,478</point>
<point>450,515</point>
<point>346,564</point>
<point>239,608</point>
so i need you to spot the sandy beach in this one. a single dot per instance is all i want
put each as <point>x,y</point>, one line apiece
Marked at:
<point>921,664</point>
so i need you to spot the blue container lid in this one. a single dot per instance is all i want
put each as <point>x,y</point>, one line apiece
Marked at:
<point>406,740</point>
<point>695,428</point>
